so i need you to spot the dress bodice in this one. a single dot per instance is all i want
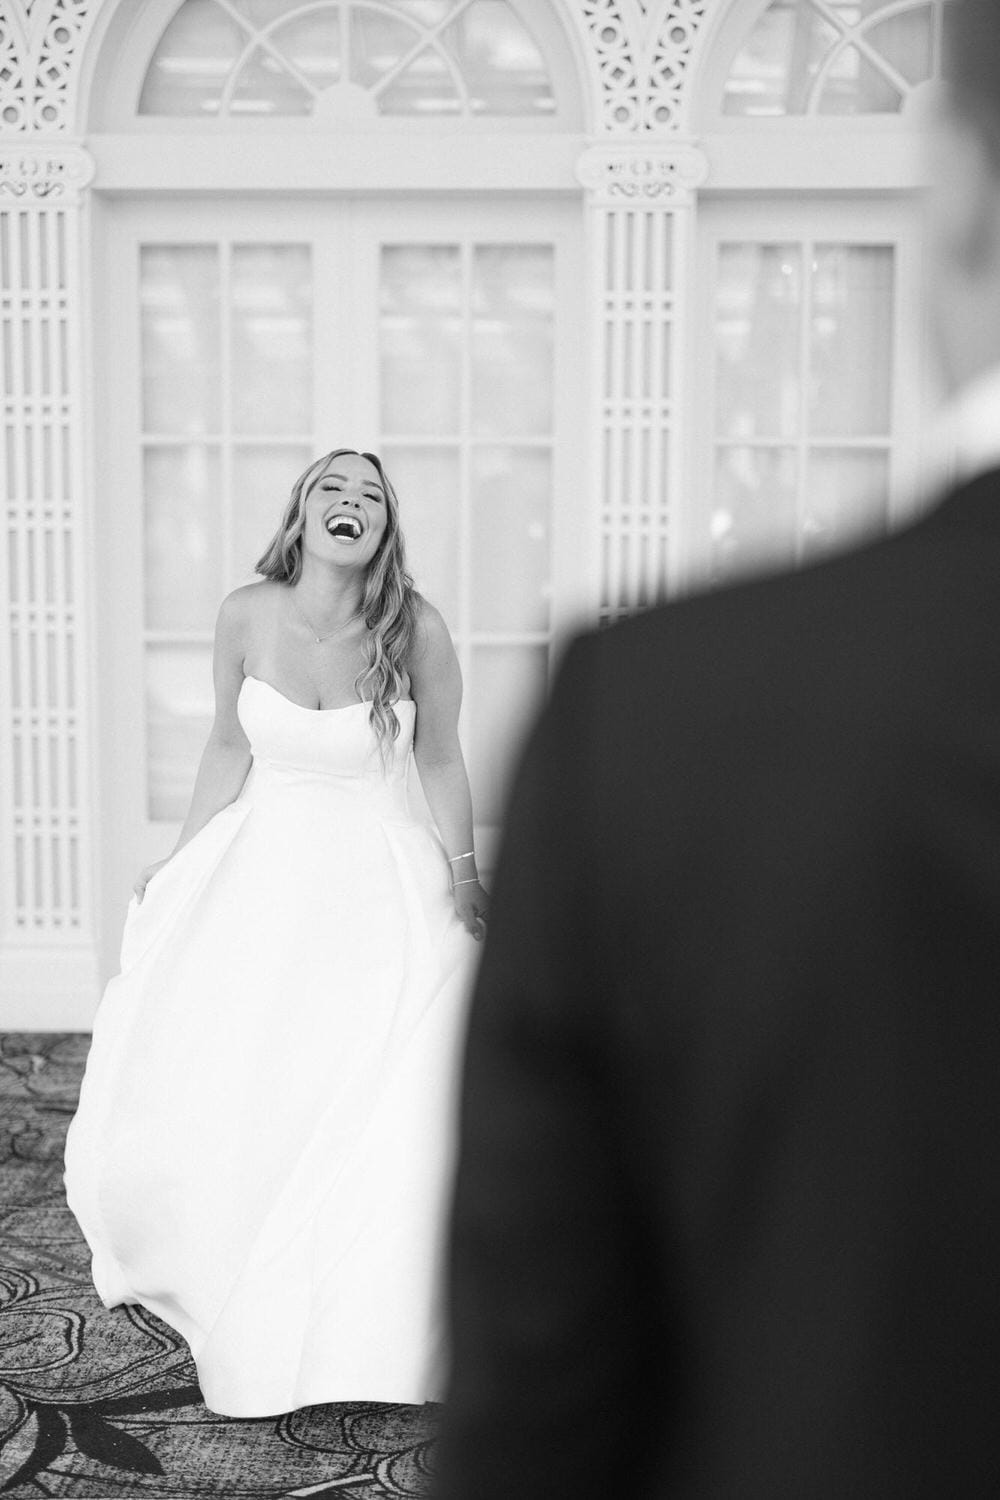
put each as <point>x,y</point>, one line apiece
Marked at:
<point>326,743</point>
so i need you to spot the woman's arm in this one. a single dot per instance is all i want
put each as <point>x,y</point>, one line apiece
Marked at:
<point>226,757</point>
<point>436,685</point>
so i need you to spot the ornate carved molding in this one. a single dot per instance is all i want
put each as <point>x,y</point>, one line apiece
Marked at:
<point>668,59</point>
<point>642,49</point>
<point>40,46</point>
<point>611,35</point>
<point>642,176</point>
<point>44,174</point>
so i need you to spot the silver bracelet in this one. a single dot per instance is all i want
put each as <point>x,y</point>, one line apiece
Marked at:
<point>456,857</point>
<point>474,881</point>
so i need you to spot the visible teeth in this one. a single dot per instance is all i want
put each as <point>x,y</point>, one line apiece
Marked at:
<point>344,526</point>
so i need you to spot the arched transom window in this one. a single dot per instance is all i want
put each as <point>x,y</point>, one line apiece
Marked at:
<point>347,59</point>
<point>836,57</point>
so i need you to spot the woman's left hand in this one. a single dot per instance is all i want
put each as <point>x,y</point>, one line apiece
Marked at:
<point>472,906</point>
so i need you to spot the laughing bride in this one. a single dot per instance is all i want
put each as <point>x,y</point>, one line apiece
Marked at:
<point>262,1150</point>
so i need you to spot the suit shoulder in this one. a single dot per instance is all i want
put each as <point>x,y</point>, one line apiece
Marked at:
<point>746,649</point>
<point>846,581</point>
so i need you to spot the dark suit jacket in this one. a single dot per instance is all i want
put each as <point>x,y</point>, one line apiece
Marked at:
<point>727,1217</point>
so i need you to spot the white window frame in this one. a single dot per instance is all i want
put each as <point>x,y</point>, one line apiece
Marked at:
<point>774,218</point>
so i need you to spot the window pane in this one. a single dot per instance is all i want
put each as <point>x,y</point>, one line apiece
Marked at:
<point>312,44</point>
<point>506,690</point>
<point>195,56</point>
<point>272,339</point>
<point>180,706</point>
<point>775,68</point>
<point>378,43</point>
<point>427,484</point>
<point>420,339</point>
<point>183,540</point>
<point>425,12</point>
<point>426,87</point>
<point>906,42</point>
<point>511,501</point>
<point>265,87</point>
<point>262,484</point>
<point>854,86</point>
<point>846,495</point>
<point>851,340</point>
<point>265,12</point>
<point>512,340</point>
<point>504,71</point>
<point>179,296</point>
<point>757,322</point>
<point>754,523</point>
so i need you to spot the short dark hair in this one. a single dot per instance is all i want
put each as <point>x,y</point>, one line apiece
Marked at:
<point>972,66</point>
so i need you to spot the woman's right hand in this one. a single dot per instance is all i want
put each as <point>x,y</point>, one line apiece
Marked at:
<point>145,876</point>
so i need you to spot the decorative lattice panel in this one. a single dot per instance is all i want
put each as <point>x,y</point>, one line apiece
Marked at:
<point>640,242</point>
<point>642,50</point>
<point>39,55</point>
<point>637,407</point>
<point>43,759</point>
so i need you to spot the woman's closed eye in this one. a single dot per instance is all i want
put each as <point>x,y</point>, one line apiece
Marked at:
<point>368,494</point>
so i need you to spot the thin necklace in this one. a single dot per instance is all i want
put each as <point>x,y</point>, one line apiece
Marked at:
<point>330,634</point>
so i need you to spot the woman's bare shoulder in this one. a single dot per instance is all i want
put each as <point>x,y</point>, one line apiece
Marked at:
<point>249,602</point>
<point>433,663</point>
<point>431,632</point>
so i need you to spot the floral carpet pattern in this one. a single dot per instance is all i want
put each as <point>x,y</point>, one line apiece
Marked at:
<point>105,1404</point>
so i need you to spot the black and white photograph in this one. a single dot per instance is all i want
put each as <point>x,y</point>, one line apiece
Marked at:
<point>500,749</point>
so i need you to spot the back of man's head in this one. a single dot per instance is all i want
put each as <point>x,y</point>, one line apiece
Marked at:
<point>972,43</point>
<point>962,218</point>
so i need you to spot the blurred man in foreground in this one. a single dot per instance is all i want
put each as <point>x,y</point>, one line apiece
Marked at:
<point>727,1217</point>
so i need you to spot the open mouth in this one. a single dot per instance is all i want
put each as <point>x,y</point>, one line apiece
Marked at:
<point>345,528</point>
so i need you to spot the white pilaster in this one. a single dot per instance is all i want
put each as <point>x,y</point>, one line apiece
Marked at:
<point>48,969</point>
<point>640,210</point>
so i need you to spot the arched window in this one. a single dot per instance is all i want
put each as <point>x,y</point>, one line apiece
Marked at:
<point>347,59</point>
<point>836,57</point>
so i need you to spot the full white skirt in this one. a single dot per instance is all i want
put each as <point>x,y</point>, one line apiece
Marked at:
<point>263,1150</point>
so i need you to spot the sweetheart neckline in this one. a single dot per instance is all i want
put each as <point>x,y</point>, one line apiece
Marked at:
<point>337,709</point>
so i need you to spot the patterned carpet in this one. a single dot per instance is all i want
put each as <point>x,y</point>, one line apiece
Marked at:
<point>106,1405</point>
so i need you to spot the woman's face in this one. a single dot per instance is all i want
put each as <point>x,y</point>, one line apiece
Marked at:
<point>346,512</point>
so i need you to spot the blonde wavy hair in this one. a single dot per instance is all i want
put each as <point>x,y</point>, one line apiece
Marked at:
<point>389,602</point>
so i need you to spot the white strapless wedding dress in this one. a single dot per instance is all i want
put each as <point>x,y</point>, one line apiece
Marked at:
<point>263,1149</point>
